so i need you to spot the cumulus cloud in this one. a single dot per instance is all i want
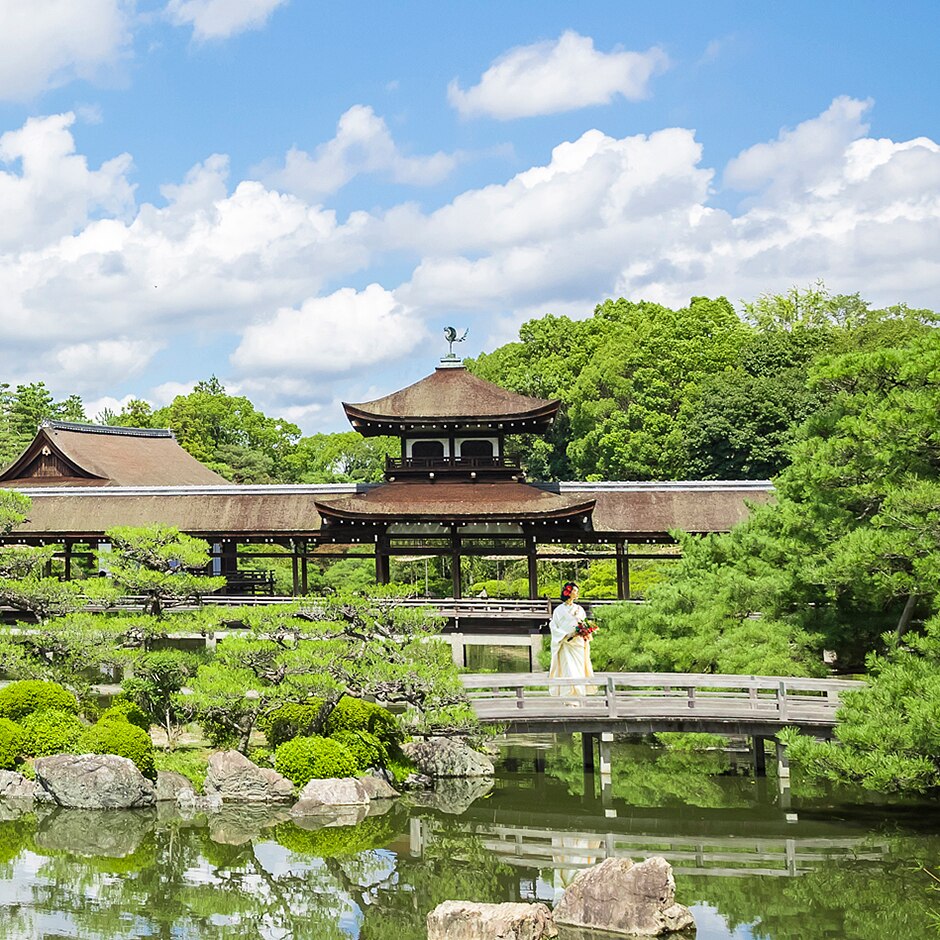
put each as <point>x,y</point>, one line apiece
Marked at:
<point>219,19</point>
<point>340,333</point>
<point>93,281</point>
<point>54,193</point>
<point>362,144</point>
<point>45,43</point>
<point>561,75</point>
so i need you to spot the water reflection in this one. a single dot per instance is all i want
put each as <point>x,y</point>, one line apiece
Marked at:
<point>834,868</point>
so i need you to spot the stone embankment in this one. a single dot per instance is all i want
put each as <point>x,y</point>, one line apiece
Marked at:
<point>618,896</point>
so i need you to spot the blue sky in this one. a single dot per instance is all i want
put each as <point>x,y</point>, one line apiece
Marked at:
<point>297,197</point>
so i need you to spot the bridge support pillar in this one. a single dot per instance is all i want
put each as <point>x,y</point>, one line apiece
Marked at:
<point>783,773</point>
<point>760,760</point>
<point>587,752</point>
<point>606,739</point>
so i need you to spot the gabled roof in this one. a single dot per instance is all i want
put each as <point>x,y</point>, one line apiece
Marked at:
<point>452,396</point>
<point>518,502</point>
<point>64,453</point>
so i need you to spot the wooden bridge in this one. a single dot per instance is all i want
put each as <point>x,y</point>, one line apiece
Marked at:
<point>648,702</point>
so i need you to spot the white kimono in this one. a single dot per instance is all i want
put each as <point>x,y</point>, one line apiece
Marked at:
<point>571,655</point>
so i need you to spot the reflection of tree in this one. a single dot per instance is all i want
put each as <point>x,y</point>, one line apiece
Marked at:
<point>850,899</point>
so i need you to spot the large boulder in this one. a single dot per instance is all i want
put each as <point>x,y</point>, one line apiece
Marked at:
<point>94,781</point>
<point>621,897</point>
<point>170,784</point>
<point>465,920</point>
<point>377,788</point>
<point>448,757</point>
<point>14,786</point>
<point>94,833</point>
<point>452,795</point>
<point>320,797</point>
<point>238,780</point>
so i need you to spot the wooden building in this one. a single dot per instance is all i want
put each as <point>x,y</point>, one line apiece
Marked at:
<point>453,493</point>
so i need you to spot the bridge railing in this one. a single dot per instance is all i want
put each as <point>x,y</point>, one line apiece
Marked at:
<point>627,694</point>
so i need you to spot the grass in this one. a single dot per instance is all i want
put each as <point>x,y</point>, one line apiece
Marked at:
<point>190,762</point>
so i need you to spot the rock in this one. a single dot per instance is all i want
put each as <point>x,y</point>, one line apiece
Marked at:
<point>418,782</point>
<point>94,781</point>
<point>448,757</point>
<point>320,796</point>
<point>14,786</point>
<point>621,897</point>
<point>238,824</point>
<point>465,920</point>
<point>188,802</point>
<point>169,784</point>
<point>329,817</point>
<point>452,795</point>
<point>378,788</point>
<point>238,780</point>
<point>92,833</point>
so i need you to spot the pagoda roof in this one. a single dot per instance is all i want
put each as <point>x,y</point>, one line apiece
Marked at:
<point>451,395</point>
<point>450,502</point>
<point>66,453</point>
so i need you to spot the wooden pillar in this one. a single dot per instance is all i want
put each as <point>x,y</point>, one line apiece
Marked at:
<point>760,760</point>
<point>532,558</point>
<point>623,569</point>
<point>295,574</point>
<point>303,566</point>
<point>67,572</point>
<point>455,562</point>
<point>382,560</point>
<point>587,752</point>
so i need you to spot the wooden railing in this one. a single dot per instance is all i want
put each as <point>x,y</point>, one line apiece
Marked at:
<point>685,698</point>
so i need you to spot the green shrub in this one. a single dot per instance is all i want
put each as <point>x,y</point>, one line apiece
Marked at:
<point>290,721</point>
<point>367,750</point>
<point>22,698</point>
<point>354,714</point>
<point>261,756</point>
<point>51,732</point>
<point>11,743</point>
<point>125,710</point>
<point>117,736</point>
<point>304,759</point>
<point>400,768</point>
<point>192,763</point>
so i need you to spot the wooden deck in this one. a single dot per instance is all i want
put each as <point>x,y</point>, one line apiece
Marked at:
<point>644,703</point>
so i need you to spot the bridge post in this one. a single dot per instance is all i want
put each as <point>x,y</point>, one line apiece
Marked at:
<point>603,747</point>
<point>760,760</point>
<point>783,767</point>
<point>587,752</point>
<point>414,833</point>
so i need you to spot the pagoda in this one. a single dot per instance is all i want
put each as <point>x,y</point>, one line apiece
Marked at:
<point>453,490</point>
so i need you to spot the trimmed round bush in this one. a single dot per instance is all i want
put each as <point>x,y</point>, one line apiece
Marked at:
<point>291,720</point>
<point>125,710</point>
<point>116,736</point>
<point>11,743</point>
<point>366,748</point>
<point>50,732</point>
<point>354,714</point>
<point>18,699</point>
<point>304,759</point>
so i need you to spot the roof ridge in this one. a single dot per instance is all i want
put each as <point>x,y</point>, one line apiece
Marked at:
<point>106,429</point>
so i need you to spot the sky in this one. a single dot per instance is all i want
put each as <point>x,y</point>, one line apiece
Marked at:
<point>297,197</point>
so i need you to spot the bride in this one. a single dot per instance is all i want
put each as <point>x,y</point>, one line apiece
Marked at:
<point>571,652</point>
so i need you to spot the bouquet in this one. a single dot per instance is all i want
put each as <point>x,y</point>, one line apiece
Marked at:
<point>585,629</point>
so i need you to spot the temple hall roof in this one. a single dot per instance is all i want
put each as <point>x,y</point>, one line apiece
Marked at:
<point>451,396</point>
<point>456,501</point>
<point>64,453</point>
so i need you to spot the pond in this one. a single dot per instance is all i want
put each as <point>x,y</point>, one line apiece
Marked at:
<point>837,864</point>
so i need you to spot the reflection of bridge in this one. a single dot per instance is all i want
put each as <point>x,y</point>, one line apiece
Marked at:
<point>713,855</point>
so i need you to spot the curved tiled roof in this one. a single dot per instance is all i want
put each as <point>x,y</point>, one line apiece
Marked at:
<point>452,395</point>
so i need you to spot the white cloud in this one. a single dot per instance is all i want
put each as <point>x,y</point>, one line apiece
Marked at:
<point>343,332</point>
<point>54,193</point>
<point>96,407</point>
<point>92,281</point>
<point>219,19</point>
<point>562,75</point>
<point>362,144</point>
<point>165,393</point>
<point>45,43</point>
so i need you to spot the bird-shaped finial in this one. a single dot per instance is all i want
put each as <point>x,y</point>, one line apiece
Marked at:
<point>450,334</point>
